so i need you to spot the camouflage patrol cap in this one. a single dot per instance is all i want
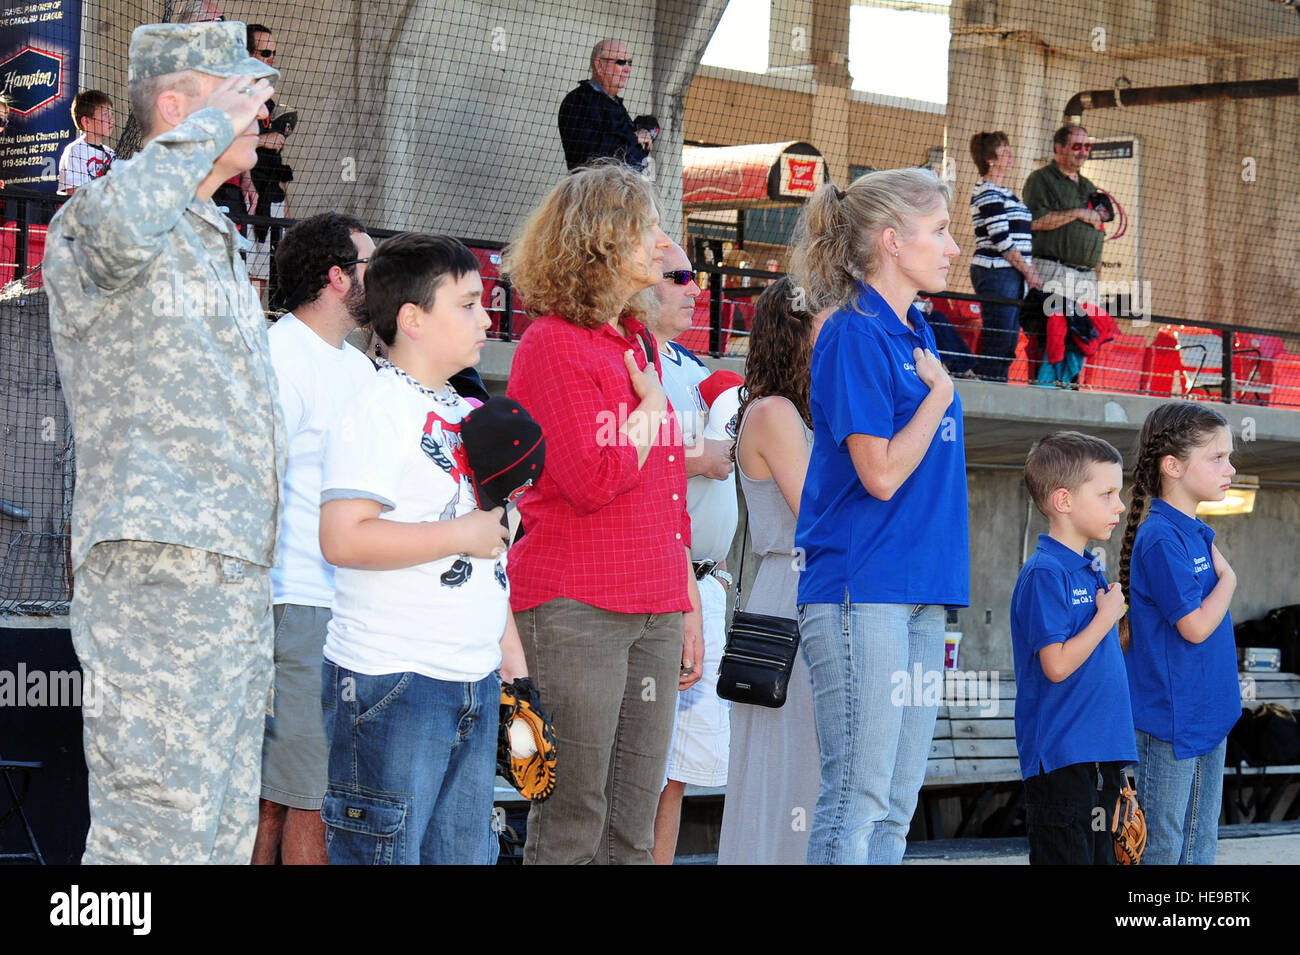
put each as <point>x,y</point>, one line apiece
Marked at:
<point>214,48</point>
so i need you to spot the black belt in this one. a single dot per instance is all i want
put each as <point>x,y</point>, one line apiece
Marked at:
<point>1068,265</point>
<point>703,568</point>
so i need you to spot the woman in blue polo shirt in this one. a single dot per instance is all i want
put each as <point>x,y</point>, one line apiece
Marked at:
<point>1181,655</point>
<point>883,528</point>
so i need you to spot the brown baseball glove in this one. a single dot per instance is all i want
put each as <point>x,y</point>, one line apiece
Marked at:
<point>526,743</point>
<point>1128,826</point>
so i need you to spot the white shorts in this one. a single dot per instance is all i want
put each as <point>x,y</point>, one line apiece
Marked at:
<point>702,730</point>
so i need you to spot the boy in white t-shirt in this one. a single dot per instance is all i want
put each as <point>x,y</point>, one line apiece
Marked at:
<point>86,158</point>
<point>421,618</point>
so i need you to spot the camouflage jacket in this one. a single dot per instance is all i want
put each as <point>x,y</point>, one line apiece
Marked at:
<point>161,347</point>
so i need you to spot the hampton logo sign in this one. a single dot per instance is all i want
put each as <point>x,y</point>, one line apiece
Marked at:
<point>30,79</point>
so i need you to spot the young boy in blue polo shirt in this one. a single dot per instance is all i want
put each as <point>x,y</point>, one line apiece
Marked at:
<point>1074,727</point>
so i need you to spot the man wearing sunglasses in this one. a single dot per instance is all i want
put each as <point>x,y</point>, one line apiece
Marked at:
<point>704,402</point>
<point>593,122</point>
<point>1066,232</point>
<point>271,174</point>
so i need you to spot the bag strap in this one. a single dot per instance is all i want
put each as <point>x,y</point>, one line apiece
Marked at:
<point>740,574</point>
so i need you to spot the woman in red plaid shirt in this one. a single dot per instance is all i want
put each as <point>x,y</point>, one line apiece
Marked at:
<point>601,581</point>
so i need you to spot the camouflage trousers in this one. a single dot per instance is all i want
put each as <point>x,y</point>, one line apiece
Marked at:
<point>178,644</point>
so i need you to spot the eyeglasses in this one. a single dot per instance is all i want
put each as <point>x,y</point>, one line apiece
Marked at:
<point>265,52</point>
<point>681,276</point>
<point>344,265</point>
<point>1081,147</point>
<point>627,61</point>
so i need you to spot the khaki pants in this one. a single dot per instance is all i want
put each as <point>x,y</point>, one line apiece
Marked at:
<point>1077,285</point>
<point>178,645</point>
<point>609,682</point>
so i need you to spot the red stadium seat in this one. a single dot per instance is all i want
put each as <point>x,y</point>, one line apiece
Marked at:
<point>1161,363</point>
<point>1117,365</point>
<point>696,338</point>
<point>9,250</point>
<point>1018,373</point>
<point>1286,380</point>
<point>489,266</point>
<point>965,317</point>
<point>1254,366</point>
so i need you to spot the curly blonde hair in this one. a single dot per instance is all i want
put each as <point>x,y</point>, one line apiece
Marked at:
<point>572,255</point>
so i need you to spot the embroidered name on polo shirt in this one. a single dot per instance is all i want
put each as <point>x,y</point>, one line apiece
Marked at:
<point>1079,595</point>
<point>1200,564</point>
<point>908,366</point>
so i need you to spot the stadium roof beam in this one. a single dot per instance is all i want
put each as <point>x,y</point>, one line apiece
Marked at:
<point>1186,93</point>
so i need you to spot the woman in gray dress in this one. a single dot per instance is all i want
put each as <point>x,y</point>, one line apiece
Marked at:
<point>775,767</point>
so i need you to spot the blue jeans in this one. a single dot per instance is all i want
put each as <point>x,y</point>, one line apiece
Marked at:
<point>411,768</point>
<point>873,732</point>
<point>1182,799</point>
<point>1001,328</point>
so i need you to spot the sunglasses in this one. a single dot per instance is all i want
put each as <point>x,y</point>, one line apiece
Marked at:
<point>344,265</point>
<point>265,52</point>
<point>622,62</point>
<point>681,276</point>
<point>1081,147</point>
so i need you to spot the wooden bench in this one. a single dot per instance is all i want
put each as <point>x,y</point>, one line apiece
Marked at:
<point>973,759</point>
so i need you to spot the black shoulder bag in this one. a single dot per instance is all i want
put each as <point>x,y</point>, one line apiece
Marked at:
<point>759,654</point>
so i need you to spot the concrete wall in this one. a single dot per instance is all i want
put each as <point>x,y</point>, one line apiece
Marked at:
<point>1261,548</point>
<point>725,108</point>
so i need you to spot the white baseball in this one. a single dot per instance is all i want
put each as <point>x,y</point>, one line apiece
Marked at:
<point>522,744</point>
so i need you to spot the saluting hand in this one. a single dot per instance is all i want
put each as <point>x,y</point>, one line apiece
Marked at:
<point>242,108</point>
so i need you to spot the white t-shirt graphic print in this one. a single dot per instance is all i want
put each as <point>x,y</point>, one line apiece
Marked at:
<point>443,619</point>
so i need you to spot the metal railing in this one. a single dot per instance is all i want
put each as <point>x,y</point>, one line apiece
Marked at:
<point>1228,362</point>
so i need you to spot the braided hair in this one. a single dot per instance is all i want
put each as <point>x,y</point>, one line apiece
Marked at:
<point>1175,428</point>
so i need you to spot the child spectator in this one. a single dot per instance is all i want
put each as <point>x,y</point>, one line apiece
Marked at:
<point>1074,728</point>
<point>1182,658</point>
<point>421,618</point>
<point>86,158</point>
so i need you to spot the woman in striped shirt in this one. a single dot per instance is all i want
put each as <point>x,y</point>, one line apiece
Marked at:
<point>1001,265</point>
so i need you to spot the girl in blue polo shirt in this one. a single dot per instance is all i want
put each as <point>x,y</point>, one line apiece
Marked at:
<point>1181,656</point>
<point>883,529</point>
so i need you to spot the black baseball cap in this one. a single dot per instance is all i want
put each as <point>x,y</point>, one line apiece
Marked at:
<point>505,448</point>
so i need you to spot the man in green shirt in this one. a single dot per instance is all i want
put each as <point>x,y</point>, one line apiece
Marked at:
<point>1067,234</point>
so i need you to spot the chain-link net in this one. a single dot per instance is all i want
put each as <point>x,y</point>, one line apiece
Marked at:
<point>36,463</point>
<point>443,116</point>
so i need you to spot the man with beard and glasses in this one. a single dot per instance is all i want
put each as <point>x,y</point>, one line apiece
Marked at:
<point>322,263</point>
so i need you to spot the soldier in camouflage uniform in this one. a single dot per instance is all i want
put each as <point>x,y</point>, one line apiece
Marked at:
<point>162,350</point>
